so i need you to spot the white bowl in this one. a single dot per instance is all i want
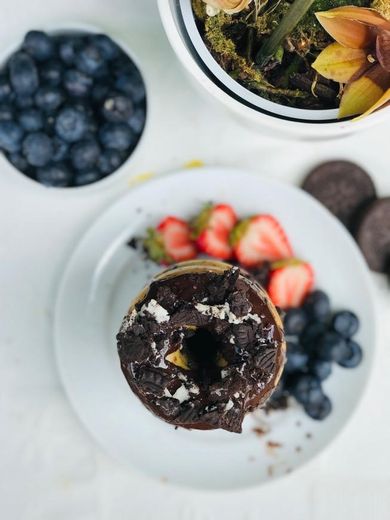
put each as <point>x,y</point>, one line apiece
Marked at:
<point>122,172</point>
<point>182,32</point>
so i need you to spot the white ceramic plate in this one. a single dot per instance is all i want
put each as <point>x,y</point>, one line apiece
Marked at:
<point>103,276</point>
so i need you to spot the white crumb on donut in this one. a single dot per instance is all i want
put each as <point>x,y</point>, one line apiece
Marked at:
<point>270,332</point>
<point>218,393</point>
<point>229,405</point>
<point>158,312</point>
<point>161,354</point>
<point>224,373</point>
<point>236,395</point>
<point>128,321</point>
<point>182,377</point>
<point>182,394</point>
<point>223,312</point>
<point>232,340</point>
<point>194,389</point>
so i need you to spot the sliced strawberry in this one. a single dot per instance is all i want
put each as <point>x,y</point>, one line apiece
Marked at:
<point>170,242</point>
<point>212,229</point>
<point>290,282</point>
<point>258,239</point>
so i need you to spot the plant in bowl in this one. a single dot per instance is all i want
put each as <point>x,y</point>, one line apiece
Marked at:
<point>280,50</point>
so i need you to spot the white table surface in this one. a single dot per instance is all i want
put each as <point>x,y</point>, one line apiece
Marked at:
<point>49,466</point>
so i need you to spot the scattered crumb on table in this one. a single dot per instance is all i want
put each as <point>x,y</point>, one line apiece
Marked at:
<point>273,444</point>
<point>309,435</point>
<point>298,449</point>
<point>259,431</point>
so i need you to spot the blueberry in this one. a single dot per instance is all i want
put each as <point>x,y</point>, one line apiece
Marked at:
<point>56,175</point>
<point>320,369</point>
<point>137,120</point>
<point>319,408</point>
<point>100,91</point>
<point>49,124</point>
<point>297,358</point>
<point>68,48</point>
<point>23,101</point>
<point>84,106</point>
<point>353,355</point>
<point>6,113</point>
<point>71,124</point>
<point>49,98</point>
<point>77,83</point>
<point>103,73</point>
<point>11,135</point>
<point>306,388</point>
<point>317,305</point>
<point>89,60</point>
<point>312,334</point>
<point>38,149</point>
<point>295,321</point>
<point>122,66</point>
<point>23,74</point>
<point>51,73</point>
<point>31,119</point>
<point>117,136</point>
<point>117,108</point>
<point>87,177</point>
<point>133,86</point>
<point>5,88</point>
<point>84,155</point>
<point>39,45</point>
<point>108,49</point>
<point>345,323</point>
<point>109,161</point>
<point>60,149</point>
<point>18,161</point>
<point>332,347</point>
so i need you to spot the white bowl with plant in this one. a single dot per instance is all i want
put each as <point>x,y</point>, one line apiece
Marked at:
<point>308,68</point>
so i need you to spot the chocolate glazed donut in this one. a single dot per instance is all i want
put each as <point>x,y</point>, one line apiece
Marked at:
<point>202,346</point>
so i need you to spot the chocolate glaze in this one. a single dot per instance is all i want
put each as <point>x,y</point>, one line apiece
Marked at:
<point>231,339</point>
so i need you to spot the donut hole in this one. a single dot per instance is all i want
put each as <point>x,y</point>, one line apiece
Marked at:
<point>203,352</point>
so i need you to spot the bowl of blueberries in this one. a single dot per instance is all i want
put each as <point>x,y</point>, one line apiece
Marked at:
<point>72,108</point>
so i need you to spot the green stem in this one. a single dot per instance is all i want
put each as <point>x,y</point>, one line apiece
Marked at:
<point>288,23</point>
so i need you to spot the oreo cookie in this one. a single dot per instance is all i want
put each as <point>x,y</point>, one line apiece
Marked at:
<point>373,235</point>
<point>343,187</point>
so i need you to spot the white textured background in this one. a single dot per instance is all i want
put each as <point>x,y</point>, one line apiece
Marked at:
<point>49,467</point>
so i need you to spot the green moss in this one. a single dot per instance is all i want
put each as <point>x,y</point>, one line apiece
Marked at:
<point>383,6</point>
<point>199,8</point>
<point>225,52</point>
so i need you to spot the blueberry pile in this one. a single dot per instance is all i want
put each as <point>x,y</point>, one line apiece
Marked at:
<point>72,108</point>
<point>316,339</point>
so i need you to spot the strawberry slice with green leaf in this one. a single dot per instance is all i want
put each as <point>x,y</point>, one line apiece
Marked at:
<point>212,228</point>
<point>170,242</point>
<point>290,282</point>
<point>258,239</point>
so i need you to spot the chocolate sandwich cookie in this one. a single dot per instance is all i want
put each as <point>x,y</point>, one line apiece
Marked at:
<point>343,187</point>
<point>373,235</point>
<point>202,346</point>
